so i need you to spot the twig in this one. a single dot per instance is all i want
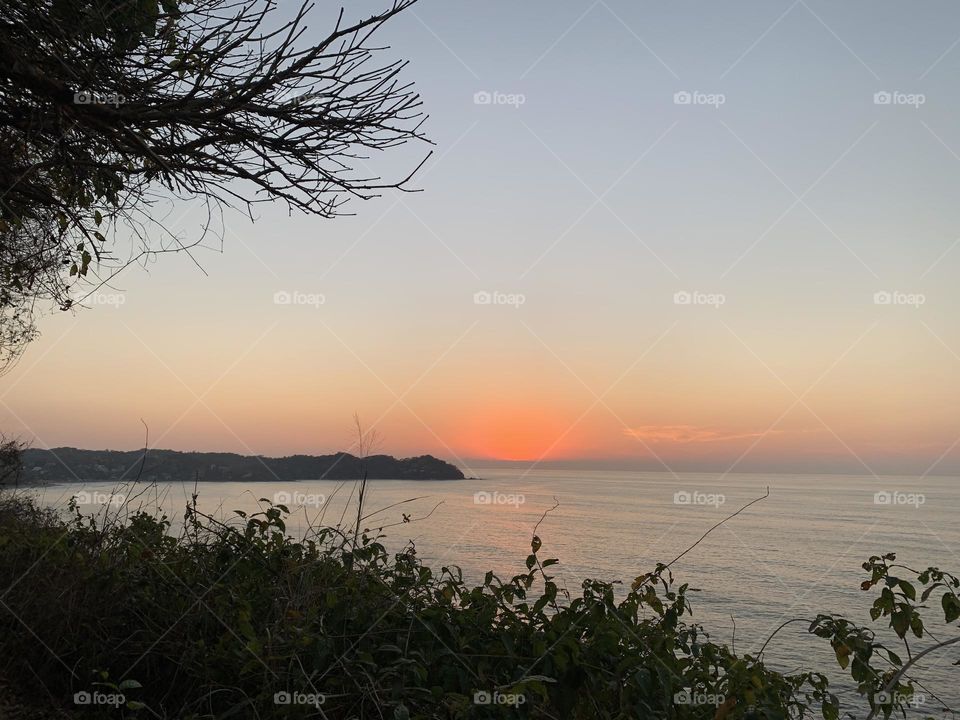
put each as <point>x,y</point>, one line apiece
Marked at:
<point>906,666</point>
<point>729,517</point>
<point>556,504</point>
<point>782,626</point>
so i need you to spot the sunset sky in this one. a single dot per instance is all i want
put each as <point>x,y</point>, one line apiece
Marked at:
<point>812,226</point>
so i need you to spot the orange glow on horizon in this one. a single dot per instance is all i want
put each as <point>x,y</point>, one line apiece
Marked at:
<point>521,432</point>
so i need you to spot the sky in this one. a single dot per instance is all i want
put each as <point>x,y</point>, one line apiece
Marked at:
<point>681,236</point>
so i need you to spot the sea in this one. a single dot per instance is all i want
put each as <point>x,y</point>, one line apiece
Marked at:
<point>794,553</point>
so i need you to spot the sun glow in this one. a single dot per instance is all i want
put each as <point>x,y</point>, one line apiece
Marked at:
<point>520,432</point>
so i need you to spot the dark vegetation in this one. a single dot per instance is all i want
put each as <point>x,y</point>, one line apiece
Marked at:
<point>111,111</point>
<point>217,621</point>
<point>71,464</point>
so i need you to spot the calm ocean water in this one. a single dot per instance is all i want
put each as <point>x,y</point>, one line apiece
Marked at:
<point>794,554</point>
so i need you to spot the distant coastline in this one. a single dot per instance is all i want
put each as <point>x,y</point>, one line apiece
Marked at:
<point>66,464</point>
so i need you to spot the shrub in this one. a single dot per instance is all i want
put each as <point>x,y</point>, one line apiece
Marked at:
<point>241,620</point>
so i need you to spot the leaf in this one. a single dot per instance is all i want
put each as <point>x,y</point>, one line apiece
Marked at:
<point>129,684</point>
<point>908,590</point>
<point>900,621</point>
<point>916,624</point>
<point>246,629</point>
<point>535,544</point>
<point>531,561</point>
<point>951,607</point>
<point>830,710</point>
<point>843,656</point>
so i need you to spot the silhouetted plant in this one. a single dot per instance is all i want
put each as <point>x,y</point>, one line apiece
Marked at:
<point>232,615</point>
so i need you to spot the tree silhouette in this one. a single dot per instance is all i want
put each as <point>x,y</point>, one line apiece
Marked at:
<point>109,107</point>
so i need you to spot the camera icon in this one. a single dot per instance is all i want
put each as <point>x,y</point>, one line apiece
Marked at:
<point>83,498</point>
<point>282,698</point>
<point>82,698</point>
<point>84,97</point>
<point>682,497</point>
<point>282,498</point>
<point>882,298</point>
<point>482,298</point>
<point>682,98</point>
<point>282,297</point>
<point>482,497</point>
<point>682,298</point>
<point>482,97</point>
<point>482,697</point>
<point>882,98</point>
<point>882,498</point>
<point>882,698</point>
<point>682,697</point>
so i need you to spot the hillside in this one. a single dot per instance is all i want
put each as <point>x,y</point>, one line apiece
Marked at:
<point>70,464</point>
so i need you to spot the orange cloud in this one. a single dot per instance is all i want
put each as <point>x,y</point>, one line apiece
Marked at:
<point>689,434</point>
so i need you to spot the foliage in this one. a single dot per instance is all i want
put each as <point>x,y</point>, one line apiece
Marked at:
<point>218,621</point>
<point>108,107</point>
<point>11,460</point>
